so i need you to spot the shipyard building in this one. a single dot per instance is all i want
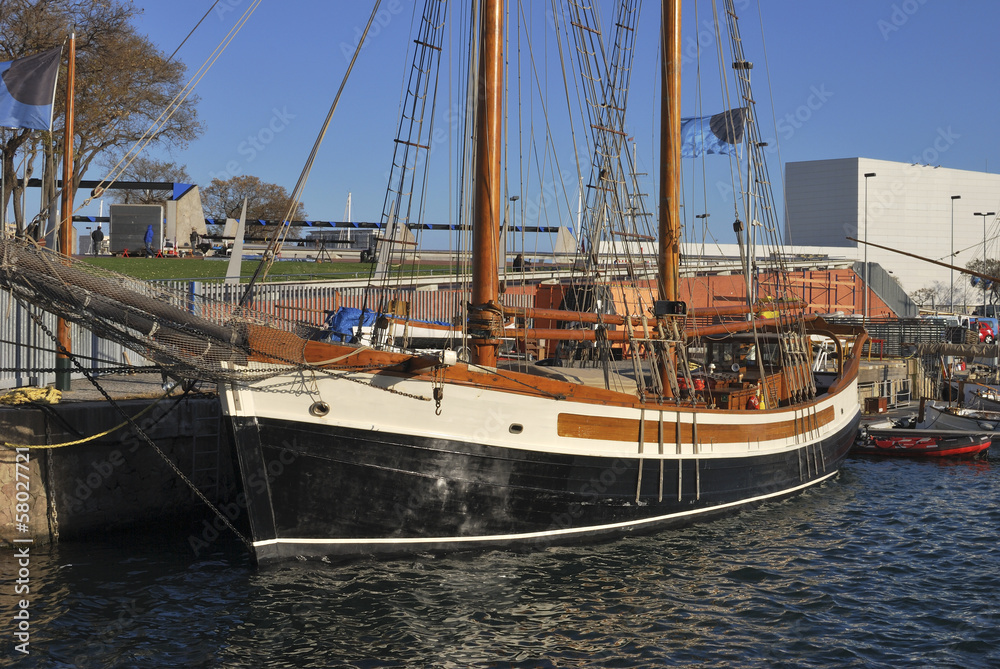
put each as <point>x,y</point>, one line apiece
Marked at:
<point>926,210</point>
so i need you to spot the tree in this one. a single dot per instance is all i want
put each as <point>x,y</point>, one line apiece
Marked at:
<point>122,85</point>
<point>939,295</point>
<point>265,201</point>
<point>990,268</point>
<point>149,169</point>
<point>926,297</point>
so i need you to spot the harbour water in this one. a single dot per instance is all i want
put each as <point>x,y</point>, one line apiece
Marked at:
<point>893,563</point>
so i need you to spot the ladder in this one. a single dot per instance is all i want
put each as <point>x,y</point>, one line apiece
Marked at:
<point>205,447</point>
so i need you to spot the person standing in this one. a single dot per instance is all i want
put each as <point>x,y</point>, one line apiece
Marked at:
<point>149,241</point>
<point>96,237</point>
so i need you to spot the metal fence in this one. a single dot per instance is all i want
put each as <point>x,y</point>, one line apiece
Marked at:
<point>27,353</point>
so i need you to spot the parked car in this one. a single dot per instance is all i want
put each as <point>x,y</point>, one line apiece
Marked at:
<point>987,335</point>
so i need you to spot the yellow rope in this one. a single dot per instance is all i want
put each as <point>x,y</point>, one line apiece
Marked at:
<point>85,439</point>
<point>47,395</point>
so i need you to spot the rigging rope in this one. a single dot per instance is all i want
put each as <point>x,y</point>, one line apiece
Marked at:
<point>274,245</point>
<point>118,170</point>
<point>140,432</point>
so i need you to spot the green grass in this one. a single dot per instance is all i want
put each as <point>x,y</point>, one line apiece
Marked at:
<point>202,269</point>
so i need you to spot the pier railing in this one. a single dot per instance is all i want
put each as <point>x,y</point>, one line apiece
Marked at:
<point>27,354</point>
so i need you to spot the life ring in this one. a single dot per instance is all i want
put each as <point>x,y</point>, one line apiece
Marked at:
<point>753,403</point>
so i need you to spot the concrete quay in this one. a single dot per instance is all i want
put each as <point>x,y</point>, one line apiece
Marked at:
<point>101,476</point>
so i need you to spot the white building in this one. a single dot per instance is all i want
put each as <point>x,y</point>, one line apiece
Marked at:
<point>909,207</point>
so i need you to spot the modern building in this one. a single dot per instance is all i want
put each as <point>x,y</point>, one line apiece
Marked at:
<point>927,210</point>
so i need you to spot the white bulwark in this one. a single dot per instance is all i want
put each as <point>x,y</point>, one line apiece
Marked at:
<point>909,207</point>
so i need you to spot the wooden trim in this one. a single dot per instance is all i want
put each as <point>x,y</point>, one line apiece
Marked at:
<point>582,426</point>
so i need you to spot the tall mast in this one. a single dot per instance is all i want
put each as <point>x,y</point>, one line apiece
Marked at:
<point>63,377</point>
<point>670,152</point>
<point>484,315</point>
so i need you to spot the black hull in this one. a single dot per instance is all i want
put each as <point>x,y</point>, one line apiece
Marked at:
<point>317,491</point>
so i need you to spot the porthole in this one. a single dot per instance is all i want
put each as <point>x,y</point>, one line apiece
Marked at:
<point>319,409</point>
<point>516,428</point>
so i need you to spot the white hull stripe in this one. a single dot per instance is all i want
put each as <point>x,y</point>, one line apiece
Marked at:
<point>547,533</point>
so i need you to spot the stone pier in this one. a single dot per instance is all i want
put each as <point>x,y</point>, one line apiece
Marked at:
<point>114,481</point>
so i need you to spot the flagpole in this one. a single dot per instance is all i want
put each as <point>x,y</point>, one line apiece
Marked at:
<point>63,376</point>
<point>3,183</point>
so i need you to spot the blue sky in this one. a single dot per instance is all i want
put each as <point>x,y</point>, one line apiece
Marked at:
<point>903,80</point>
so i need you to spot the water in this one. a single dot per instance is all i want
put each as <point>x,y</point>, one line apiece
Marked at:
<point>892,564</point>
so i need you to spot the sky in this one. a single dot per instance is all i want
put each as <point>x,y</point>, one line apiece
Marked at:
<point>901,80</point>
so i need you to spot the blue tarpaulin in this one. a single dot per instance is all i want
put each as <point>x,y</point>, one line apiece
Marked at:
<point>344,320</point>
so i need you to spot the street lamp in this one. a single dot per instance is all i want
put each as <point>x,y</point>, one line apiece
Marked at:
<point>864,318</point>
<point>704,230</point>
<point>989,213</point>
<point>513,214</point>
<point>951,290</point>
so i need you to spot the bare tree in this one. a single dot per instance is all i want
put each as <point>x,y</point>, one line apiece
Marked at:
<point>149,170</point>
<point>265,201</point>
<point>123,84</point>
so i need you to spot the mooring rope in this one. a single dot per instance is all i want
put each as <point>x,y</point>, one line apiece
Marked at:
<point>7,444</point>
<point>139,431</point>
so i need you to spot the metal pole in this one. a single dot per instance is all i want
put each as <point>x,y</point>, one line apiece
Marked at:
<point>984,215</point>
<point>513,221</point>
<point>951,290</point>
<point>864,317</point>
<point>63,367</point>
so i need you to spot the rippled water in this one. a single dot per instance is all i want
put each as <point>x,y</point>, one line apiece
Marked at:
<point>892,564</point>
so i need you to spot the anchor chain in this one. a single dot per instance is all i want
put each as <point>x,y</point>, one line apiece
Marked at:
<point>138,430</point>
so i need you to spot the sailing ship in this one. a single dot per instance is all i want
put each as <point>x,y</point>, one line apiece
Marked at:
<point>353,448</point>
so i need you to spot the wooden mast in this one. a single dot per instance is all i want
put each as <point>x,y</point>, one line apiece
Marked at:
<point>670,151</point>
<point>484,318</point>
<point>63,335</point>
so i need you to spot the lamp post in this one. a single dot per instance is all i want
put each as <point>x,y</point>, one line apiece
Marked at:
<point>864,317</point>
<point>951,290</point>
<point>704,230</point>
<point>513,214</point>
<point>989,213</point>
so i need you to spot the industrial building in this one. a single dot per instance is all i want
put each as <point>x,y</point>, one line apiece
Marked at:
<point>935,212</point>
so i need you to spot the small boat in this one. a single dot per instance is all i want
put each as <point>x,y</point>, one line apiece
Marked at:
<point>968,393</point>
<point>986,398</point>
<point>909,443</point>
<point>943,417</point>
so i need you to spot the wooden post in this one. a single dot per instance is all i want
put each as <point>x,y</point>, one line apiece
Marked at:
<point>63,365</point>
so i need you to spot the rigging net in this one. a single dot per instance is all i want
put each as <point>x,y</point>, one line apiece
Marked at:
<point>190,336</point>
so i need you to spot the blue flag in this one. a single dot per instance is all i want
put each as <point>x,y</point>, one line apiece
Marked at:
<point>719,133</point>
<point>27,90</point>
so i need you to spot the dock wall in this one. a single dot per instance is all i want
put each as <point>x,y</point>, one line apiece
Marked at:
<point>114,482</point>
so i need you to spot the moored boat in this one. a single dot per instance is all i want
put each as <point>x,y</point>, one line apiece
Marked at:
<point>937,416</point>
<point>986,398</point>
<point>909,443</point>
